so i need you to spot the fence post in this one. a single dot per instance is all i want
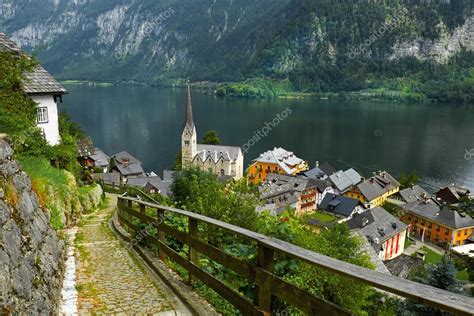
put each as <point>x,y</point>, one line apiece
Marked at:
<point>263,293</point>
<point>161,234</point>
<point>193,254</point>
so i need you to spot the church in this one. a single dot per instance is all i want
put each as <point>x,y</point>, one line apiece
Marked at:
<point>224,161</point>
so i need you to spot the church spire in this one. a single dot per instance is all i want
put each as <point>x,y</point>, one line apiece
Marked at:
<point>189,109</point>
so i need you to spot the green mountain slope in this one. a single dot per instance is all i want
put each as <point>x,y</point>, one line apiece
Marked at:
<point>319,45</point>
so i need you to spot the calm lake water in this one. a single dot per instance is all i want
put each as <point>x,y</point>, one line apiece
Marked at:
<point>369,136</point>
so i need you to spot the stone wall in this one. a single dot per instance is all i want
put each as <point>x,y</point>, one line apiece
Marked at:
<point>31,255</point>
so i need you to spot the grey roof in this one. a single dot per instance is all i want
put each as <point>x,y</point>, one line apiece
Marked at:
<point>378,185</point>
<point>7,44</point>
<point>377,225</point>
<point>439,214</point>
<point>339,204</point>
<point>41,82</point>
<point>321,185</point>
<point>217,152</point>
<point>130,169</point>
<point>108,178</point>
<point>168,175</point>
<point>286,160</point>
<point>344,180</point>
<point>124,156</point>
<point>37,82</point>
<point>327,169</point>
<point>277,184</point>
<point>100,158</point>
<point>84,147</point>
<point>413,194</point>
<point>142,182</point>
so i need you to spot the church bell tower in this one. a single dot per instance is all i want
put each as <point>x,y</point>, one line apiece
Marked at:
<point>189,135</point>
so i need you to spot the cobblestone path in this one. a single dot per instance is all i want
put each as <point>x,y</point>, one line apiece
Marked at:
<point>109,281</point>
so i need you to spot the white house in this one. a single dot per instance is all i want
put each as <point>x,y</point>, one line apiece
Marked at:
<point>44,90</point>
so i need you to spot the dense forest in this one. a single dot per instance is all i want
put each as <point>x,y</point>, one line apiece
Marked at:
<point>402,49</point>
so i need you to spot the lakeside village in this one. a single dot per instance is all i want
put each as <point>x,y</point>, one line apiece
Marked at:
<point>400,224</point>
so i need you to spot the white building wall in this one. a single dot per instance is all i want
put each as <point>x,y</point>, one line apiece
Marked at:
<point>51,128</point>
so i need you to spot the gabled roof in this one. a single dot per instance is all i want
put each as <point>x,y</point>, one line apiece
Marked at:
<point>84,147</point>
<point>277,184</point>
<point>124,156</point>
<point>377,185</point>
<point>39,81</point>
<point>344,180</point>
<point>435,213</point>
<point>452,194</point>
<point>413,194</point>
<point>112,178</point>
<point>286,160</point>
<point>218,152</point>
<point>100,158</point>
<point>339,204</point>
<point>142,182</point>
<point>377,225</point>
<point>320,172</point>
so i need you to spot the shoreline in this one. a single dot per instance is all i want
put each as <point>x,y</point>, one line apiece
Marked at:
<point>211,87</point>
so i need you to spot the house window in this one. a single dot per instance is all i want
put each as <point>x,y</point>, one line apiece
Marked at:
<point>447,231</point>
<point>459,233</point>
<point>465,232</point>
<point>42,115</point>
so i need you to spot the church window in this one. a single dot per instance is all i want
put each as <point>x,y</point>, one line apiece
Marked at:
<point>186,142</point>
<point>222,172</point>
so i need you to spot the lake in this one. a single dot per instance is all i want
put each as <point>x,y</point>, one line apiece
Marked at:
<point>433,139</point>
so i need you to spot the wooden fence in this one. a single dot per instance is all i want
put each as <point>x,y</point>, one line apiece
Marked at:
<point>261,274</point>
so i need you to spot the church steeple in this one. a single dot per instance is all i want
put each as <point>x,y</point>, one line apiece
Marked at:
<point>188,121</point>
<point>189,135</point>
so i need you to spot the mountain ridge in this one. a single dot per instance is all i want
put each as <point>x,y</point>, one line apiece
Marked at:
<point>310,43</point>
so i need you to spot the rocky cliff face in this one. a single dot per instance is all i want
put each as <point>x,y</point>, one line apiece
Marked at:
<point>31,255</point>
<point>149,40</point>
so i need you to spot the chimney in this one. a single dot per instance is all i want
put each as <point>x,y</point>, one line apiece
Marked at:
<point>126,162</point>
<point>372,180</point>
<point>317,163</point>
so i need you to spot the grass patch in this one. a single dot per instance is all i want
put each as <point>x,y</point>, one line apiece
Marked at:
<point>408,242</point>
<point>431,256</point>
<point>462,275</point>
<point>322,217</point>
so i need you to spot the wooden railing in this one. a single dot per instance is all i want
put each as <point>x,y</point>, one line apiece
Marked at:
<point>267,284</point>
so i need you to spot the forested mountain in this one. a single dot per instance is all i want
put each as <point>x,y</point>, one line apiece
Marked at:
<point>319,45</point>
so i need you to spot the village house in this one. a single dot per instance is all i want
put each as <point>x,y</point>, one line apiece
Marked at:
<point>100,160</point>
<point>412,194</point>
<point>430,222</point>
<point>384,232</point>
<point>127,166</point>
<point>343,181</point>
<point>279,161</point>
<point>341,206</point>
<point>452,194</point>
<point>147,184</point>
<point>220,160</point>
<point>320,172</point>
<point>282,191</point>
<point>44,90</point>
<point>375,190</point>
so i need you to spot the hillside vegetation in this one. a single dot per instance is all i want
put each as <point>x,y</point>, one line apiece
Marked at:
<point>53,170</point>
<point>402,50</point>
